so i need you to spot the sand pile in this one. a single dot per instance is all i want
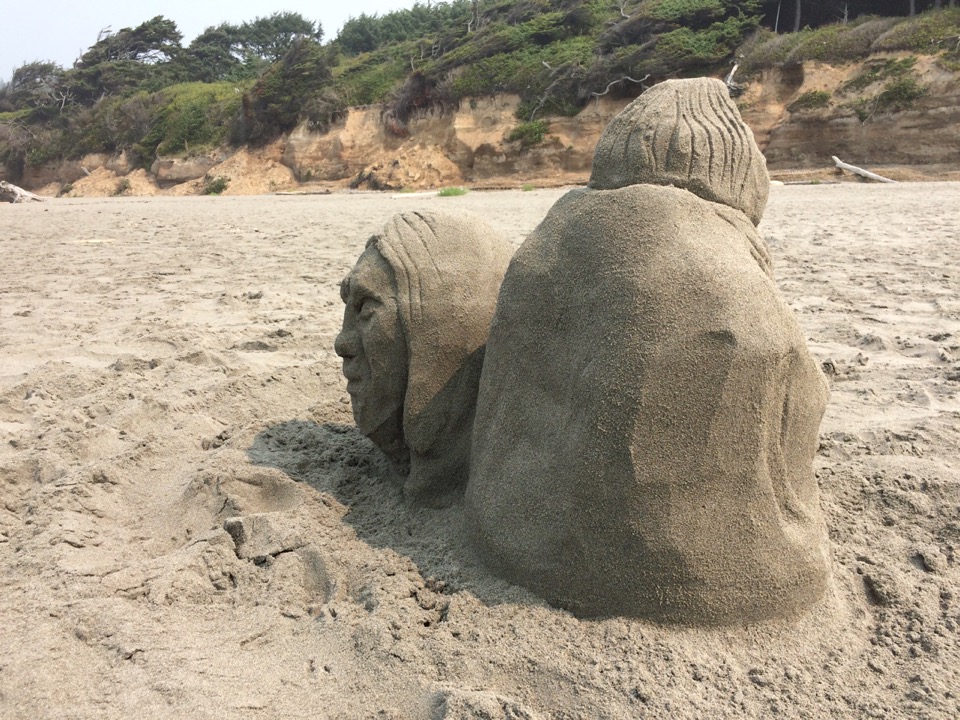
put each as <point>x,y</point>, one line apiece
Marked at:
<point>191,525</point>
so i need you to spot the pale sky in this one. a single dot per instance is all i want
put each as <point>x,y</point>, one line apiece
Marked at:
<point>61,30</point>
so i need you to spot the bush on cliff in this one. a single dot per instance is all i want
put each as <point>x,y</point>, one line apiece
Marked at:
<point>929,32</point>
<point>277,101</point>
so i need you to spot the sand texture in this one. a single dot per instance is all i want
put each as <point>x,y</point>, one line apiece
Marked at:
<point>191,526</point>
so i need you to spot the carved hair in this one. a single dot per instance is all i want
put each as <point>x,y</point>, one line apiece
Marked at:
<point>689,134</point>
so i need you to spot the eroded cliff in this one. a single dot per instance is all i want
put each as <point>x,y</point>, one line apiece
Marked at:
<point>801,115</point>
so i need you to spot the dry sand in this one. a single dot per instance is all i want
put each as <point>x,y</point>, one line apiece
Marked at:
<point>167,364</point>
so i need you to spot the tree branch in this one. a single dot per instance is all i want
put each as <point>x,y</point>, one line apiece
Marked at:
<point>614,82</point>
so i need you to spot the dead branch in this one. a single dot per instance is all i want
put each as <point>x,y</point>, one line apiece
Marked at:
<point>614,82</point>
<point>543,98</point>
<point>860,171</point>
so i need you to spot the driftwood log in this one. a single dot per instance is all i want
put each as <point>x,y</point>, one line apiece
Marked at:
<point>735,89</point>
<point>13,194</point>
<point>860,171</point>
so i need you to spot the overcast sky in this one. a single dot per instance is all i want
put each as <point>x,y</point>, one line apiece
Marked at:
<point>61,30</point>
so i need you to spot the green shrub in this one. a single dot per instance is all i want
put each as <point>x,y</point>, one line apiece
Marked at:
<point>898,94</point>
<point>863,108</point>
<point>901,93</point>
<point>123,186</point>
<point>39,154</point>
<point>215,185</point>
<point>529,133</point>
<point>452,192</point>
<point>366,79</point>
<point>192,117</point>
<point>118,123</point>
<point>275,103</point>
<point>811,100</point>
<point>876,71</point>
<point>527,187</point>
<point>950,60</point>
<point>870,27</point>
<point>685,47</point>
<point>687,12</point>
<point>840,42</point>
<point>771,52</point>
<point>835,43</point>
<point>551,73</point>
<point>14,115</point>
<point>928,31</point>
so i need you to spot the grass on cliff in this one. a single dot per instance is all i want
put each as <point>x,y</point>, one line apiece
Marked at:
<point>812,100</point>
<point>877,71</point>
<point>887,85</point>
<point>929,32</point>
<point>529,133</point>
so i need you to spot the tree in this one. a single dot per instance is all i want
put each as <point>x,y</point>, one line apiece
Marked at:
<point>37,84</point>
<point>268,38</point>
<point>211,57</point>
<point>796,18</point>
<point>359,34</point>
<point>276,101</point>
<point>154,41</point>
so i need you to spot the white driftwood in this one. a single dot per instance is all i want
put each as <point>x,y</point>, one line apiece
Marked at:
<point>735,89</point>
<point>11,193</point>
<point>860,171</point>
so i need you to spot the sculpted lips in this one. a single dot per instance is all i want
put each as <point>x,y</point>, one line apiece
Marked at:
<point>353,375</point>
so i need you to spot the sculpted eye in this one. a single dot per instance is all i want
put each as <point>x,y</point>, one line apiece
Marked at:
<point>368,307</point>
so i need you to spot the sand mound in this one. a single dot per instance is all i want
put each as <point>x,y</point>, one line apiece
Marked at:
<point>254,172</point>
<point>103,182</point>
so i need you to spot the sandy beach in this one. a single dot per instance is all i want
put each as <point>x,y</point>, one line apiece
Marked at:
<point>167,370</point>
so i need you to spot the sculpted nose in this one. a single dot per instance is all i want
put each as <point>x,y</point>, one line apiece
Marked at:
<point>345,344</point>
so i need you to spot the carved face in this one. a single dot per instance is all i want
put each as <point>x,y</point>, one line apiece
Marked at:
<point>372,343</point>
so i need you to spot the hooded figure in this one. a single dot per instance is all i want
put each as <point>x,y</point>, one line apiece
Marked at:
<point>418,308</point>
<point>648,410</point>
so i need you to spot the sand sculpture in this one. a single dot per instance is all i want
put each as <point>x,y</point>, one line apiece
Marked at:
<point>418,307</point>
<point>648,409</point>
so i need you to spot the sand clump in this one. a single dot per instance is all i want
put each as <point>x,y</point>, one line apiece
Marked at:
<point>168,368</point>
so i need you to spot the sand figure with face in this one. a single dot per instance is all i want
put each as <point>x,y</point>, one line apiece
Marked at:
<point>648,411</point>
<point>418,307</point>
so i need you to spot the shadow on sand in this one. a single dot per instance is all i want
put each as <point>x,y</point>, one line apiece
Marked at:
<point>338,460</point>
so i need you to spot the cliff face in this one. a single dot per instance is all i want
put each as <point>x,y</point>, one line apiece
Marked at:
<point>925,134</point>
<point>470,146</point>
